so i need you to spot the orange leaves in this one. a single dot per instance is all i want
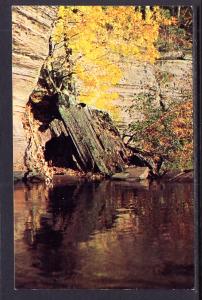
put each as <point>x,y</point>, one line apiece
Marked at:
<point>168,22</point>
<point>169,133</point>
<point>182,125</point>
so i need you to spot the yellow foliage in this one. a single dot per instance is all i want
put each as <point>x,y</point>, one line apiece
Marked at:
<point>99,37</point>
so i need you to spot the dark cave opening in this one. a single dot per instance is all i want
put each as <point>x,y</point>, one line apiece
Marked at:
<point>60,152</point>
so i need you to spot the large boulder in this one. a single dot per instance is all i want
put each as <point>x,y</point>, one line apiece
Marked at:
<point>132,173</point>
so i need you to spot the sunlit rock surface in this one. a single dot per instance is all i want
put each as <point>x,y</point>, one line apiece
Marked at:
<point>31,28</point>
<point>142,78</point>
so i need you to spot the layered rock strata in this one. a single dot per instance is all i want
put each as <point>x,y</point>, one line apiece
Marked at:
<point>31,29</point>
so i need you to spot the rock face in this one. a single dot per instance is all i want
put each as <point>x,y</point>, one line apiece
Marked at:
<point>169,78</point>
<point>31,28</point>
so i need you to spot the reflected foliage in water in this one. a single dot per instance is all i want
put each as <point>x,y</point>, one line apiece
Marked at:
<point>104,235</point>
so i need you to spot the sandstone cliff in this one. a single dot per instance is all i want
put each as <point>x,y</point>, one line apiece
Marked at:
<point>144,77</point>
<point>31,28</point>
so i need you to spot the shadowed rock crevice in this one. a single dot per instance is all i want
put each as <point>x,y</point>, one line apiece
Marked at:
<point>61,152</point>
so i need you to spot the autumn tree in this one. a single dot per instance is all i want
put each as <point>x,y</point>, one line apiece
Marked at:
<point>99,38</point>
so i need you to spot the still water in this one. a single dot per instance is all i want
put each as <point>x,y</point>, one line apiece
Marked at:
<point>106,234</point>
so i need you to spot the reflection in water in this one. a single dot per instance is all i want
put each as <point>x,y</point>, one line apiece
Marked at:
<point>104,235</point>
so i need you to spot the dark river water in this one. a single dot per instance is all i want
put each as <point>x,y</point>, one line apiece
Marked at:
<point>107,234</point>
